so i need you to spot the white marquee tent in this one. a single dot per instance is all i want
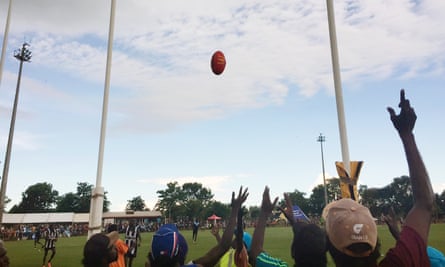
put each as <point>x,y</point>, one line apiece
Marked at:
<point>71,217</point>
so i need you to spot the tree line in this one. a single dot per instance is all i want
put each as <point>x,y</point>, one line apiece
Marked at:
<point>183,203</point>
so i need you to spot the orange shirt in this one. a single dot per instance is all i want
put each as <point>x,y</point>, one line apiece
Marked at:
<point>121,251</point>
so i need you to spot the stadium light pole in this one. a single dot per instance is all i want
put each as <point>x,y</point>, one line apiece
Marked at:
<point>23,55</point>
<point>321,139</point>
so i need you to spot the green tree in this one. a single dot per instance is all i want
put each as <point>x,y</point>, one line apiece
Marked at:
<point>68,202</point>
<point>398,195</point>
<point>254,213</point>
<point>80,201</point>
<point>186,201</point>
<point>196,199</point>
<point>136,204</point>
<point>40,197</point>
<point>169,197</point>
<point>218,208</point>
<point>297,198</point>
<point>440,205</point>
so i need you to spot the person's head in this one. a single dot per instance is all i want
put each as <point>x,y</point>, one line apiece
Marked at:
<point>4,259</point>
<point>309,245</point>
<point>351,233</point>
<point>99,250</point>
<point>247,241</point>
<point>168,247</point>
<point>112,228</point>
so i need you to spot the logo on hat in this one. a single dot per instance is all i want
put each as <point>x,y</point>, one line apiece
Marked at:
<point>357,228</point>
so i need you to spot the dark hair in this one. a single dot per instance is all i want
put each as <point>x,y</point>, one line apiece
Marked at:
<point>96,251</point>
<point>309,245</point>
<point>112,227</point>
<point>343,260</point>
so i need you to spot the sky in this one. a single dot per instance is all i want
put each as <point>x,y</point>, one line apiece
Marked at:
<point>255,125</point>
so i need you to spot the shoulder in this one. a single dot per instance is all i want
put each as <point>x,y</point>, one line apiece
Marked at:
<point>410,250</point>
<point>121,245</point>
<point>265,260</point>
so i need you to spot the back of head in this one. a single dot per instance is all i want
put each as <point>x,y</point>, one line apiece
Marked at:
<point>351,232</point>
<point>98,250</point>
<point>112,228</point>
<point>168,247</point>
<point>309,246</point>
<point>4,259</point>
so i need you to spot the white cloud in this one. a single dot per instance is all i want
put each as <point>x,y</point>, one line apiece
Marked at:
<point>162,50</point>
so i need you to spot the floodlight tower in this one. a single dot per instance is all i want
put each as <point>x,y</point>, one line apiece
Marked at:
<point>23,55</point>
<point>321,139</point>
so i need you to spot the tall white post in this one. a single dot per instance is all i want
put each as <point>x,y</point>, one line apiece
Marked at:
<point>5,41</point>
<point>97,199</point>
<point>338,88</point>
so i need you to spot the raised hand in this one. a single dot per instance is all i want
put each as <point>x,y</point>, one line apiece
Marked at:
<point>404,122</point>
<point>242,196</point>
<point>288,211</point>
<point>267,206</point>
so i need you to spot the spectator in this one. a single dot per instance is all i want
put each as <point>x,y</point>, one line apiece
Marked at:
<point>351,229</point>
<point>120,245</point>
<point>258,257</point>
<point>99,250</point>
<point>309,242</point>
<point>169,247</point>
<point>437,259</point>
<point>4,259</point>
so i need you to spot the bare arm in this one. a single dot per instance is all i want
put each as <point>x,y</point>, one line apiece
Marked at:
<point>258,234</point>
<point>419,217</point>
<point>212,257</point>
<point>215,232</point>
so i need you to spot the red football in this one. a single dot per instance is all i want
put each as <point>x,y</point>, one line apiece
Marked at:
<point>218,62</point>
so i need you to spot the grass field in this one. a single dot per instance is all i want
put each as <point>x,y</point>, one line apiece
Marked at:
<point>277,243</point>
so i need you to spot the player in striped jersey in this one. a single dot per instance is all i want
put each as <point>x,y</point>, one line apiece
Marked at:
<point>133,241</point>
<point>50,244</point>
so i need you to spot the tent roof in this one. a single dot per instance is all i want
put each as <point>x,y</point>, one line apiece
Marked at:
<point>214,217</point>
<point>71,217</point>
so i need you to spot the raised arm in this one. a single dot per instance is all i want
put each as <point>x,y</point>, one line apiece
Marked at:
<point>212,257</point>
<point>419,217</point>
<point>215,232</point>
<point>260,229</point>
<point>288,213</point>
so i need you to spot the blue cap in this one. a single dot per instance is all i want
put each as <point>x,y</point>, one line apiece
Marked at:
<point>167,241</point>
<point>247,239</point>
<point>437,259</point>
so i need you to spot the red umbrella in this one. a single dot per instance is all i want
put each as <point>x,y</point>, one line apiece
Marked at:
<point>214,217</point>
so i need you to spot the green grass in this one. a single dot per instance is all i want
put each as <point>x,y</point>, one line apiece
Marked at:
<point>277,243</point>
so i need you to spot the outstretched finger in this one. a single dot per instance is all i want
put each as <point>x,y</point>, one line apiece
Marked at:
<point>391,111</point>
<point>402,98</point>
<point>275,202</point>
<point>243,194</point>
